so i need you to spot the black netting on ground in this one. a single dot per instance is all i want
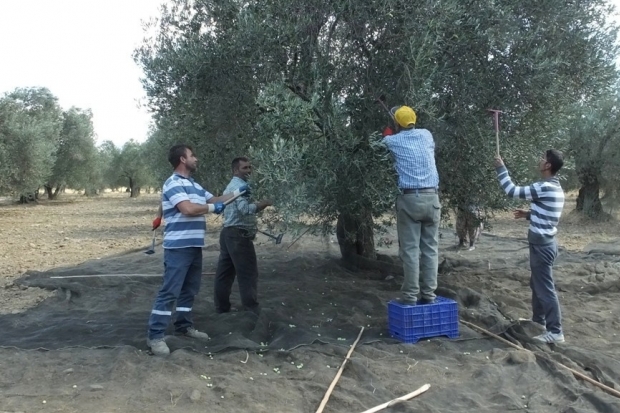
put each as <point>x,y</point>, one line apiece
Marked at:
<point>305,298</point>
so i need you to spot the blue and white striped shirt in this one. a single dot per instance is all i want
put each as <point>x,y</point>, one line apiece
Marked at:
<point>547,203</point>
<point>241,213</point>
<point>414,155</point>
<point>182,231</point>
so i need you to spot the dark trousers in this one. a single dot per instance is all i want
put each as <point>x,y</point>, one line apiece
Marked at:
<point>237,258</point>
<point>545,303</point>
<point>182,275</point>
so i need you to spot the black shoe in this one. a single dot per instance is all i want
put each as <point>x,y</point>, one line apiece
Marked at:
<point>255,309</point>
<point>425,301</point>
<point>230,310</point>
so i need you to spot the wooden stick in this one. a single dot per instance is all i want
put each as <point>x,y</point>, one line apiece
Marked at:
<point>231,200</point>
<point>577,374</point>
<point>106,275</point>
<point>116,275</point>
<point>496,122</point>
<point>297,239</point>
<point>331,386</point>
<point>495,336</point>
<point>497,140</point>
<point>399,399</point>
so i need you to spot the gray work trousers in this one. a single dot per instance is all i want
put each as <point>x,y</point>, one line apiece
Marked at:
<point>545,303</point>
<point>418,216</point>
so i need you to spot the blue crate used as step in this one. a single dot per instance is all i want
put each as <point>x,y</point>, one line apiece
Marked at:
<point>412,323</point>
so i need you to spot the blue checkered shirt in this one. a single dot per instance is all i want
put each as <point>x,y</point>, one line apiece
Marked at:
<point>414,155</point>
<point>241,213</point>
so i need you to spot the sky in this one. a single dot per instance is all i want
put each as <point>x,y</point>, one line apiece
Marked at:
<point>81,50</point>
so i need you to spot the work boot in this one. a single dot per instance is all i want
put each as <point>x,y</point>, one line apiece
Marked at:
<point>193,333</point>
<point>158,346</point>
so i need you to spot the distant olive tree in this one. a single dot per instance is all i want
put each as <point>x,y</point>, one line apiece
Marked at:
<point>130,167</point>
<point>76,153</point>
<point>30,125</point>
<point>593,133</point>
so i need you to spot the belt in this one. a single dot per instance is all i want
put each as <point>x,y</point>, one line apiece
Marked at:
<point>419,190</point>
<point>241,231</point>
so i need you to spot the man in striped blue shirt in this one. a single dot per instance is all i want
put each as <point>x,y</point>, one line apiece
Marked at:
<point>184,204</point>
<point>547,199</point>
<point>418,208</point>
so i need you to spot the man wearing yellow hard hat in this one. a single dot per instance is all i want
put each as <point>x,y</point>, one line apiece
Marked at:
<point>418,208</point>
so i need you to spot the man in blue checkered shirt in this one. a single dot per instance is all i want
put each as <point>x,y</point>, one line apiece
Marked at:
<point>237,253</point>
<point>418,208</point>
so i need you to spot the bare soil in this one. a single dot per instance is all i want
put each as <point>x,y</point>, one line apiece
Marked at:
<point>306,293</point>
<point>66,232</point>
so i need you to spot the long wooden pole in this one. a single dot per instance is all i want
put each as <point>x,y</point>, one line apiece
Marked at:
<point>496,123</point>
<point>497,133</point>
<point>297,239</point>
<point>231,200</point>
<point>577,374</point>
<point>399,399</point>
<point>115,275</point>
<point>331,386</point>
<point>105,275</point>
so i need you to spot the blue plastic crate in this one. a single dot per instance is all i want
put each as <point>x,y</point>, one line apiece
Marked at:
<point>412,323</point>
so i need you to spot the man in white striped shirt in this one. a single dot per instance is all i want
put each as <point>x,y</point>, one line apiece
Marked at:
<point>547,199</point>
<point>184,205</point>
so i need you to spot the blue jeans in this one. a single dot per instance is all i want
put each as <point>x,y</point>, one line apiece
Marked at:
<point>182,276</point>
<point>545,303</point>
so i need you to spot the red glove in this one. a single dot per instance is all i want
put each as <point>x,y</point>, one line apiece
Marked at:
<point>156,223</point>
<point>387,131</point>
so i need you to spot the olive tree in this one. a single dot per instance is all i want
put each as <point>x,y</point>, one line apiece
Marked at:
<point>295,84</point>
<point>30,125</point>
<point>593,135</point>
<point>76,154</point>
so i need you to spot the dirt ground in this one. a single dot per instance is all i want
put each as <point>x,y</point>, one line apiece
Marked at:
<point>65,232</point>
<point>92,367</point>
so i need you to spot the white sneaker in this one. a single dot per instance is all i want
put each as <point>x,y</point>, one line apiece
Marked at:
<point>550,337</point>
<point>158,346</point>
<point>193,333</point>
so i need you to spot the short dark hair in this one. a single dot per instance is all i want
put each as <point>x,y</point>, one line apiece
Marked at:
<point>176,152</point>
<point>237,161</point>
<point>555,158</point>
